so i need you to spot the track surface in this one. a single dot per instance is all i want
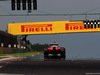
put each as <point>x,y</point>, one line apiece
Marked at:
<point>37,65</point>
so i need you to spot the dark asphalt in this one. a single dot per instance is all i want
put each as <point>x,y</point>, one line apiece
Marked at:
<point>37,65</point>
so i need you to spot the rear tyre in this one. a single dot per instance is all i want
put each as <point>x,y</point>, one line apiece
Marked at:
<point>45,52</point>
<point>62,52</point>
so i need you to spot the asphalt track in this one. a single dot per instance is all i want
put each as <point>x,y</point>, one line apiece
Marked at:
<point>38,65</point>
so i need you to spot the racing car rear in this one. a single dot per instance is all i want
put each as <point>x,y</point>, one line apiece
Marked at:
<point>54,49</point>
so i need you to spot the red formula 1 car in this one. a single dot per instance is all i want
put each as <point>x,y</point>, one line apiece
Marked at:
<point>54,49</point>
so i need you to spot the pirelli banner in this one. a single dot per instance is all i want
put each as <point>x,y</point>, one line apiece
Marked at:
<point>53,27</point>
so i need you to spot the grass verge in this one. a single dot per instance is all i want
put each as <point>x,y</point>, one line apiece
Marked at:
<point>3,57</point>
<point>22,54</point>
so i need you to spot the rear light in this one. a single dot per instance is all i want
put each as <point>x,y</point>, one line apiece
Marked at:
<point>50,48</point>
<point>57,48</point>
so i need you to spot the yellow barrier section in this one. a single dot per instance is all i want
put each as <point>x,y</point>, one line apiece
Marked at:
<point>50,27</point>
<point>1,50</point>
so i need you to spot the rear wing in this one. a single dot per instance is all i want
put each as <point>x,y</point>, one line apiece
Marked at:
<point>51,44</point>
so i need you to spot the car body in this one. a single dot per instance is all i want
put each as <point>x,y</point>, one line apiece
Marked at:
<point>54,49</point>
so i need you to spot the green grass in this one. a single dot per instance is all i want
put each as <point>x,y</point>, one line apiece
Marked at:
<point>22,54</point>
<point>3,57</point>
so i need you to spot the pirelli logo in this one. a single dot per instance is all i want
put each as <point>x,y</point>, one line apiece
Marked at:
<point>36,28</point>
<point>74,26</point>
<point>82,25</point>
